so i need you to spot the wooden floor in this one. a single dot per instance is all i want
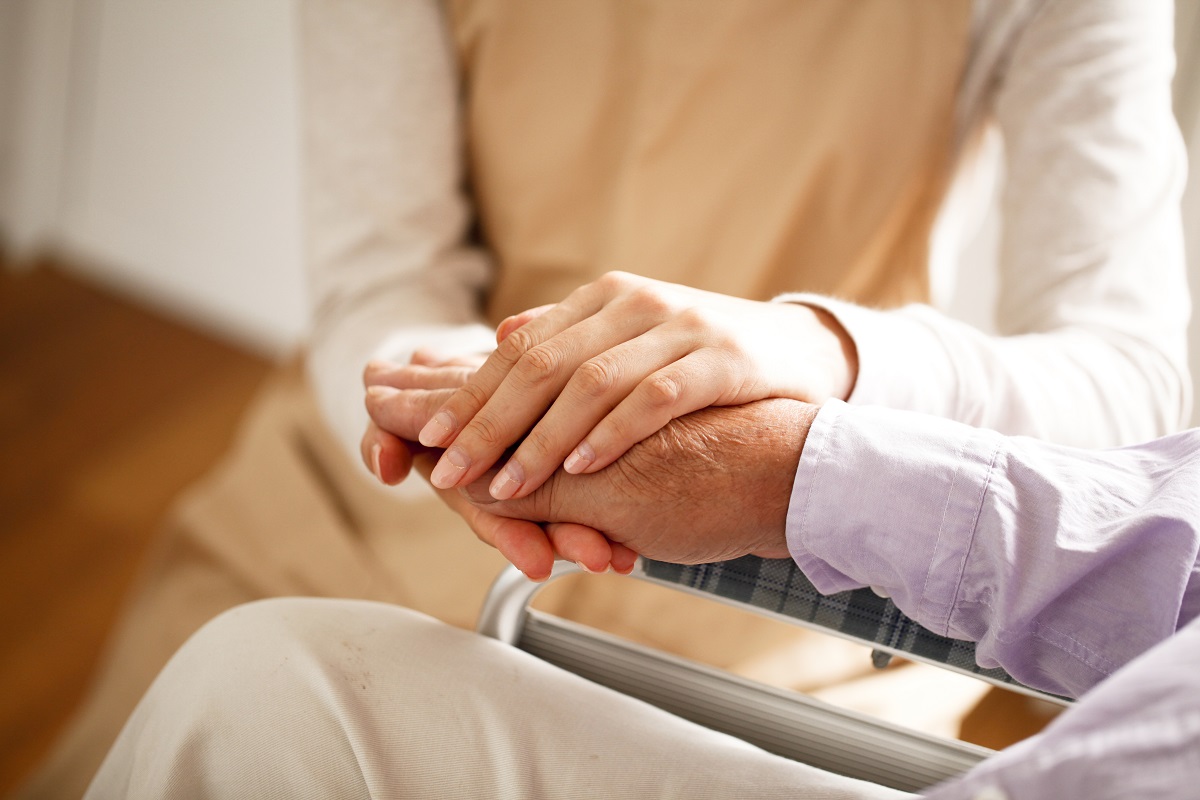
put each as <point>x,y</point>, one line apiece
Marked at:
<point>106,412</point>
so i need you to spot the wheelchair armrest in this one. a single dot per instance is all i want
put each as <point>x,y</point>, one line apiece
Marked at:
<point>783,722</point>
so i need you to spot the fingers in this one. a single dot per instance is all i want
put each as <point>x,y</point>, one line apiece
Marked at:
<point>415,376</point>
<point>508,395</point>
<point>509,325</point>
<point>388,458</point>
<point>429,358</point>
<point>533,548</point>
<point>590,549</point>
<point>523,543</point>
<point>694,382</point>
<point>520,335</point>
<point>623,558</point>
<point>586,546</point>
<point>596,387</point>
<point>403,413</point>
<point>515,347</point>
<point>582,544</point>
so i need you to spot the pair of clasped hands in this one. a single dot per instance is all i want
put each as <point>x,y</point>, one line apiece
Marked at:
<point>634,417</point>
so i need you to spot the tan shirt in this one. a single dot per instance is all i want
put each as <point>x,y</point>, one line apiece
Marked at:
<point>1092,309</point>
<point>744,148</point>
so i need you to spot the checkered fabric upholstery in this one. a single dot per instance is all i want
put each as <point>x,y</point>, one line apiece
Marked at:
<point>779,586</point>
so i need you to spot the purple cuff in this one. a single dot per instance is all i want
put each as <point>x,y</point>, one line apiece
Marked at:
<point>889,500</point>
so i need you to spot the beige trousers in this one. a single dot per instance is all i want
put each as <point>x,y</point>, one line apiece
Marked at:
<point>287,513</point>
<point>296,698</point>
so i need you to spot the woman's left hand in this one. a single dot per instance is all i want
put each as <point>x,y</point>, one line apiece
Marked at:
<point>398,413</point>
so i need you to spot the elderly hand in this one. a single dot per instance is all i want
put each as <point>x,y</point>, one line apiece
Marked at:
<point>383,452</point>
<point>709,486</point>
<point>400,400</point>
<point>615,362</point>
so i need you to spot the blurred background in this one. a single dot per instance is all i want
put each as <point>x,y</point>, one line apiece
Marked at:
<point>150,277</point>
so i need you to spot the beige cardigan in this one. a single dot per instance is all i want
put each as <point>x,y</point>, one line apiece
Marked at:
<point>1092,308</point>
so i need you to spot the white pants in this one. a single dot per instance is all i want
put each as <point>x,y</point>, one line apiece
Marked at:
<point>299,698</point>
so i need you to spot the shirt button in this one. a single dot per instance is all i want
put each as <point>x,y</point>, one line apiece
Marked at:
<point>991,793</point>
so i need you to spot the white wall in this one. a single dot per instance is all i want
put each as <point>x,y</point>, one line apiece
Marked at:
<point>186,185</point>
<point>157,142</point>
<point>10,23</point>
<point>178,177</point>
<point>36,69</point>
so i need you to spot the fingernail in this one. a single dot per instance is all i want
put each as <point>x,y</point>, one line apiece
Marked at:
<point>450,468</point>
<point>579,459</point>
<point>508,481</point>
<point>377,392</point>
<point>376,449</point>
<point>437,430</point>
<point>542,579</point>
<point>588,569</point>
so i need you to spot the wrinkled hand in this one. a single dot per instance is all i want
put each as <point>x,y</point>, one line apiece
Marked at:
<point>615,362</point>
<point>400,400</point>
<point>387,455</point>
<point>709,486</point>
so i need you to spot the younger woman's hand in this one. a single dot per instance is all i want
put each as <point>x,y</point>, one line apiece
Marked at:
<point>579,383</point>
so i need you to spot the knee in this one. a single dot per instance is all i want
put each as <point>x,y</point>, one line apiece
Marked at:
<point>284,639</point>
<point>292,678</point>
<point>252,637</point>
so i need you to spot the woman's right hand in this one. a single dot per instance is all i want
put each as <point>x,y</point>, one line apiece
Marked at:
<point>577,384</point>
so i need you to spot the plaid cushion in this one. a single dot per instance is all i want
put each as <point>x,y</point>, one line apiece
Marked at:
<point>779,586</point>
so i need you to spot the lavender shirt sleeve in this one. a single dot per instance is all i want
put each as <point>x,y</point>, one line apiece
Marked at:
<point>1135,735</point>
<point>1062,564</point>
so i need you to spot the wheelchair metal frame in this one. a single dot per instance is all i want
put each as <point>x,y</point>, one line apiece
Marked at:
<point>787,723</point>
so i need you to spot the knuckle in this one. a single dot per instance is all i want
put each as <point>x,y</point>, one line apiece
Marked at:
<point>614,280</point>
<point>621,428</point>
<point>693,317</point>
<point>475,395</point>
<point>595,377</point>
<point>649,300</point>
<point>515,345</point>
<point>702,323</point>
<point>487,431</point>
<point>660,391</point>
<point>537,366</point>
<point>536,447</point>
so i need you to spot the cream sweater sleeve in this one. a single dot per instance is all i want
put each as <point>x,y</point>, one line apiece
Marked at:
<point>386,217</point>
<point>1093,305</point>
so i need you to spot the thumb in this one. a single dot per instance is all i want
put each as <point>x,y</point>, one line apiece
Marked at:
<point>403,412</point>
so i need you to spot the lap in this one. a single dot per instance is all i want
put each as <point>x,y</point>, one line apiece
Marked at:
<point>308,697</point>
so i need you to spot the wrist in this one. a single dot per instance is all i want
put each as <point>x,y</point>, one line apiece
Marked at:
<point>840,353</point>
<point>780,449</point>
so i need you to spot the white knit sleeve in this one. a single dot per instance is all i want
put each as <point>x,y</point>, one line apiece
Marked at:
<point>386,216</point>
<point>1093,302</point>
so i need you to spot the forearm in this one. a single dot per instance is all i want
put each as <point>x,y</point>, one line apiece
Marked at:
<point>1062,564</point>
<point>1092,307</point>
<point>386,219</point>
<point>1082,384</point>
